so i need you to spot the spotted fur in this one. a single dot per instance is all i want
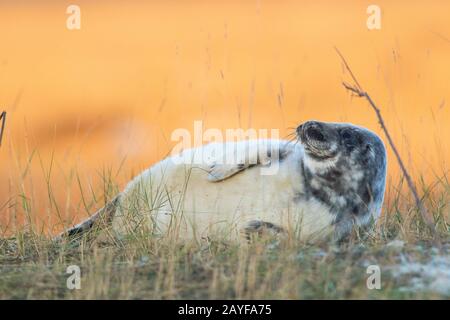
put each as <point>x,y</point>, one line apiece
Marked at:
<point>330,180</point>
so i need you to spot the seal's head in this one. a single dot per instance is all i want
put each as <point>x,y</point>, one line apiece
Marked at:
<point>345,168</point>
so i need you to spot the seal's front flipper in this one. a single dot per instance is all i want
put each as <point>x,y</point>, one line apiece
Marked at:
<point>219,172</point>
<point>262,229</point>
<point>243,155</point>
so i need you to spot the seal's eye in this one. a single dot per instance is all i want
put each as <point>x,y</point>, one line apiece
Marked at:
<point>346,135</point>
<point>348,139</point>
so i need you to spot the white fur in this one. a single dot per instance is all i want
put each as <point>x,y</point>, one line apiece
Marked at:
<point>178,197</point>
<point>321,166</point>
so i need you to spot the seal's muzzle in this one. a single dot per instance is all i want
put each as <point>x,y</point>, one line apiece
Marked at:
<point>317,138</point>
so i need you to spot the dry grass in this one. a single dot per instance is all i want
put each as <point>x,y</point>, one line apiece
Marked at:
<point>146,267</point>
<point>270,62</point>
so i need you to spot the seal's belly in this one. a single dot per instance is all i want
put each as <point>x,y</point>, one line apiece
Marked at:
<point>182,200</point>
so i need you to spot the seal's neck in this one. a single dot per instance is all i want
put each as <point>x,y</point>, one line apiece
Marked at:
<point>320,166</point>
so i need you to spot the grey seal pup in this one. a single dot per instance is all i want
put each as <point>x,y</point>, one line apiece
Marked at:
<point>331,179</point>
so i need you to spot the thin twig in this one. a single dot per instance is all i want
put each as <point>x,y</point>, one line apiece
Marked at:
<point>358,91</point>
<point>3,120</point>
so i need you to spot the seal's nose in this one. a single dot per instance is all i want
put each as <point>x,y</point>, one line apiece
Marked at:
<point>313,130</point>
<point>311,125</point>
<point>306,126</point>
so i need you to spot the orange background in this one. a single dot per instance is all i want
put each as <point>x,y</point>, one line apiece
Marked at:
<point>108,96</point>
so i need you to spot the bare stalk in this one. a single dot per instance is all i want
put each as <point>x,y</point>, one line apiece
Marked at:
<point>3,120</point>
<point>358,91</point>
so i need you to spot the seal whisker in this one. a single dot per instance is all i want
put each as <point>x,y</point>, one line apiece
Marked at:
<point>337,183</point>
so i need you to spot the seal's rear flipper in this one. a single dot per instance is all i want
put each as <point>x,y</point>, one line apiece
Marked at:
<point>101,219</point>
